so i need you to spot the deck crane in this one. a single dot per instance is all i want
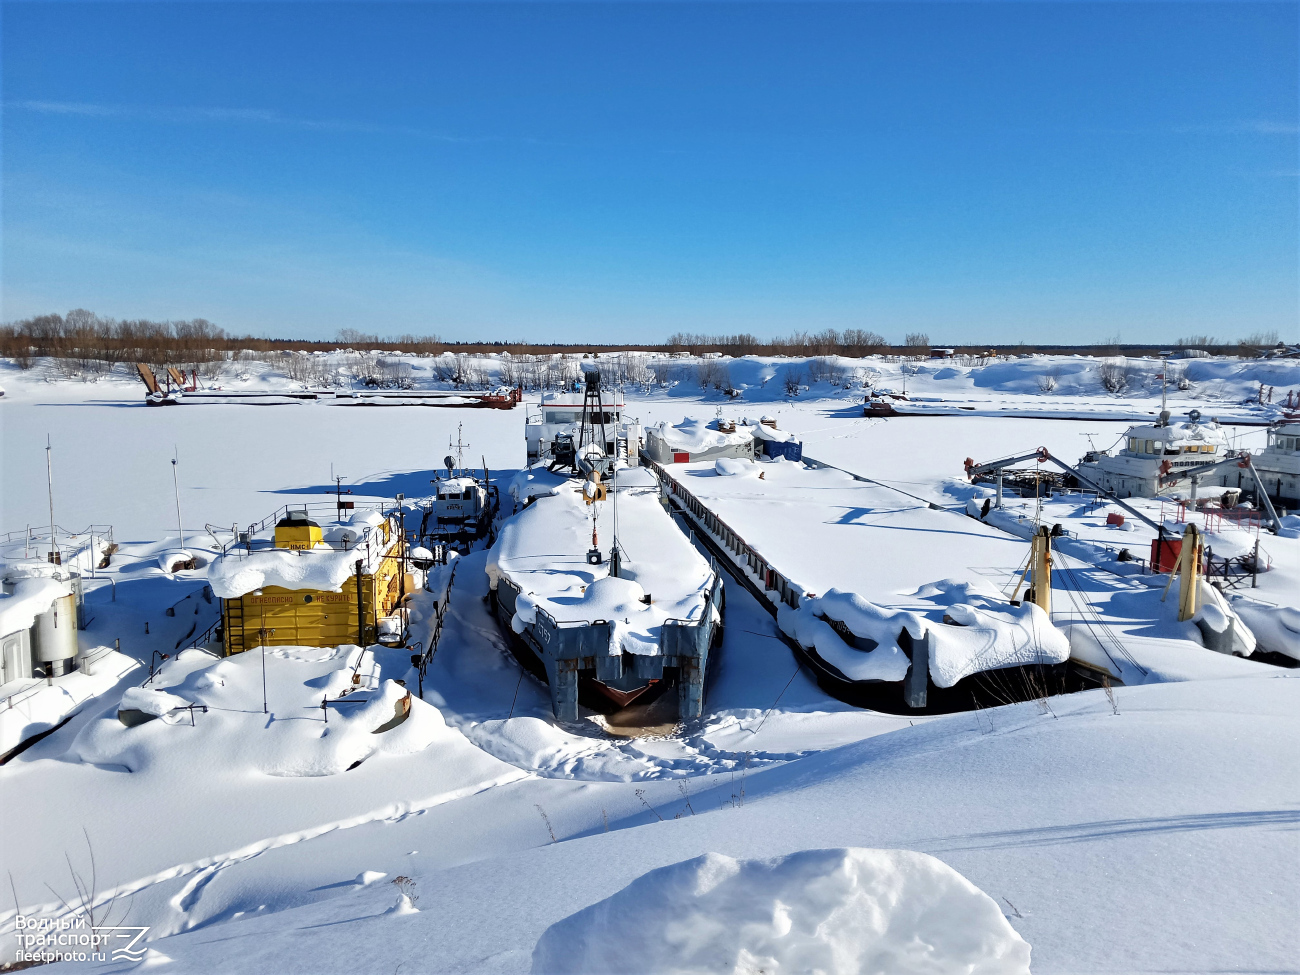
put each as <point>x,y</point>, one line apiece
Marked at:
<point>1242,460</point>
<point>1040,553</point>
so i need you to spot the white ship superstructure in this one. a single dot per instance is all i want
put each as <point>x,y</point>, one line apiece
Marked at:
<point>1278,464</point>
<point>1153,453</point>
<point>554,427</point>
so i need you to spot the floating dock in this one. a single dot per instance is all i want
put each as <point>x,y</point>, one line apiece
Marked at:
<point>499,400</point>
<point>610,639</point>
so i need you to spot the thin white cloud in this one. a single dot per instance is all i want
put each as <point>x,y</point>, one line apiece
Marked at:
<point>257,116</point>
<point>1241,127</point>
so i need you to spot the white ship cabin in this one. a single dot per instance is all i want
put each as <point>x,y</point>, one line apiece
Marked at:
<point>1151,453</point>
<point>459,500</point>
<point>1278,464</point>
<point>562,413</point>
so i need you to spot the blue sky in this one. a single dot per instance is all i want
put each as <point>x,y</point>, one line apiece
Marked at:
<point>983,172</point>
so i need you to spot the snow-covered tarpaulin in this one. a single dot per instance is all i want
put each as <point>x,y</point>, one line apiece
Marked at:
<point>697,439</point>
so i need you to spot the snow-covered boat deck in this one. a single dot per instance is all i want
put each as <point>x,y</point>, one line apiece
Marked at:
<point>866,581</point>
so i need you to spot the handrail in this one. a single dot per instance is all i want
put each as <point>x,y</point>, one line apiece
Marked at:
<point>234,545</point>
<point>35,533</point>
<point>204,638</point>
<point>793,590</point>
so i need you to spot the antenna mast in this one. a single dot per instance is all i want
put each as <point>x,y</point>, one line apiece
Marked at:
<point>458,446</point>
<point>176,486</point>
<point>49,483</point>
<point>615,560</point>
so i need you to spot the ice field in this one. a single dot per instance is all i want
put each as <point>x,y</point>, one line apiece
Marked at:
<point>1151,829</point>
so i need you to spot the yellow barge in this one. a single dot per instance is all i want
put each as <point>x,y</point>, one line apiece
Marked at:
<point>314,584</point>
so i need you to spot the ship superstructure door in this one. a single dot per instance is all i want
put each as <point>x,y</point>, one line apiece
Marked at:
<point>15,657</point>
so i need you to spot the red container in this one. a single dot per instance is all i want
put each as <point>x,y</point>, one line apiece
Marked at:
<point>1114,518</point>
<point>1164,555</point>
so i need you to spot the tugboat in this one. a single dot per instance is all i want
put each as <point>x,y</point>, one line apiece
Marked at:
<point>464,506</point>
<point>605,625</point>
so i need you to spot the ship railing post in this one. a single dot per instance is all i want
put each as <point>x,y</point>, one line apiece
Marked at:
<point>916,681</point>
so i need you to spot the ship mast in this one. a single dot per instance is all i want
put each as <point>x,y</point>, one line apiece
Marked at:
<point>458,446</point>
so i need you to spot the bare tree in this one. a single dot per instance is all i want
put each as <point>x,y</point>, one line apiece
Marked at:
<point>1113,374</point>
<point>794,381</point>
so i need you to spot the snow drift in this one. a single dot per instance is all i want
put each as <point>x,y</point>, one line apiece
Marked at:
<point>833,911</point>
<point>974,632</point>
<point>230,735</point>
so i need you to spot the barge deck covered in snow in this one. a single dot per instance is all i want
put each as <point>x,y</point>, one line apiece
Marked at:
<point>863,579</point>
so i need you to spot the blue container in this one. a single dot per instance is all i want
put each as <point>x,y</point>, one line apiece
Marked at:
<point>789,449</point>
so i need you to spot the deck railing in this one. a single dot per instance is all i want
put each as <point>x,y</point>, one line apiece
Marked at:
<point>744,554</point>
<point>242,537</point>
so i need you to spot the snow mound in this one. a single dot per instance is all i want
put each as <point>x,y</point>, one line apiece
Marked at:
<point>832,911</point>
<point>151,701</point>
<point>1276,628</point>
<point>231,736</point>
<point>732,466</point>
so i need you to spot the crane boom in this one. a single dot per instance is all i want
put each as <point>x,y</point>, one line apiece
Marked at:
<point>1043,455</point>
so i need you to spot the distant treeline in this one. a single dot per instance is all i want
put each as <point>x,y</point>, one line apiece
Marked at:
<point>86,337</point>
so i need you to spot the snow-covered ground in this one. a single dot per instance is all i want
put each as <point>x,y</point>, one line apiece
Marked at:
<point>1154,831</point>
